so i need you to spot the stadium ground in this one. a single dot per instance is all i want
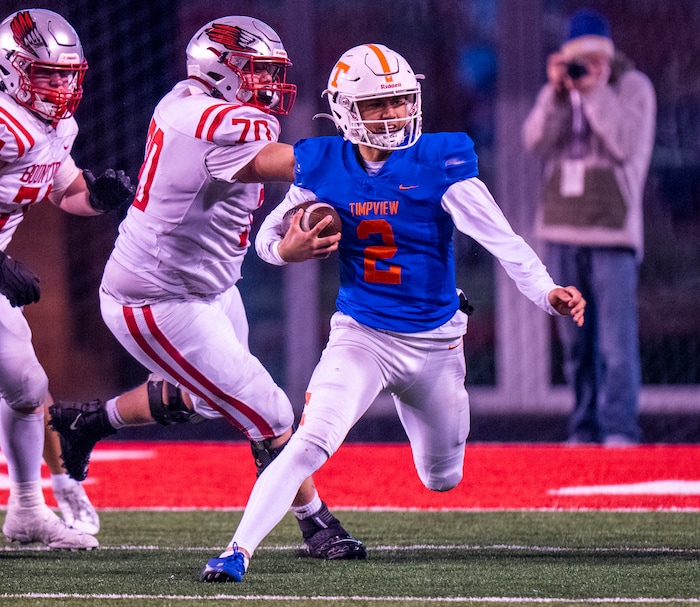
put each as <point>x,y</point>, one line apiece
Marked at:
<point>542,524</point>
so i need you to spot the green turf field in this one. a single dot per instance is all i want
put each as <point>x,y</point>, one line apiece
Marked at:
<point>415,558</point>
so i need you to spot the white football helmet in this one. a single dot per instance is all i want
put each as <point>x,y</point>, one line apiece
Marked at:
<point>373,71</point>
<point>38,46</point>
<point>227,53</point>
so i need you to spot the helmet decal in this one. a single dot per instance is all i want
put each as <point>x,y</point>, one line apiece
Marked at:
<point>340,68</point>
<point>383,62</point>
<point>26,34</point>
<point>231,37</point>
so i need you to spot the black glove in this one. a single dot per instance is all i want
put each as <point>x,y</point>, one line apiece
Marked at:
<point>17,282</point>
<point>110,191</point>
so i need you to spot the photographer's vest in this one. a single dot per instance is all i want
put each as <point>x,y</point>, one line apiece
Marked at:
<point>583,190</point>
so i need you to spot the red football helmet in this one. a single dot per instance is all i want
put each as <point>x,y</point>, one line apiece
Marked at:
<point>42,63</point>
<point>243,60</point>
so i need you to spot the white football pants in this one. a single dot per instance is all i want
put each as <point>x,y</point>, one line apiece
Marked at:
<point>202,346</point>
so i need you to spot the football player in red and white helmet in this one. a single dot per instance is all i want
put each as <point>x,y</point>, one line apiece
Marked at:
<point>41,73</point>
<point>169,290</point>
<point>242,60</point>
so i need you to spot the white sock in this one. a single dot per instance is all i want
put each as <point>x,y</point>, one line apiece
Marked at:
<point>61,481</point>
<point>27,495</point>
<point>113,414</point>
<point>309,509</point>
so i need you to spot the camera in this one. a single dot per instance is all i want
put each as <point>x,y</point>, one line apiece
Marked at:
<point>576,70</point>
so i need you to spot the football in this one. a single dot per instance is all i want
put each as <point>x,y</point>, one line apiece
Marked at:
<point>314,211</point>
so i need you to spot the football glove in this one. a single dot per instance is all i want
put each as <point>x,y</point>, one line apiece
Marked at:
<point>17,282</point>
<point>110,191</point>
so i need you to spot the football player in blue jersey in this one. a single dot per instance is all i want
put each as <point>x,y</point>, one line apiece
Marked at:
<point>398,325</point>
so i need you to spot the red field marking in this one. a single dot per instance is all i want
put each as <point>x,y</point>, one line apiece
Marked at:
<point>220,475</point>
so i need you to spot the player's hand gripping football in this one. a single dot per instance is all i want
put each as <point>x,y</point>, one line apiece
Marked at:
<point>568,301</point>
<point>298,245</point>
<point>17,282</point>
<point>110,191</point>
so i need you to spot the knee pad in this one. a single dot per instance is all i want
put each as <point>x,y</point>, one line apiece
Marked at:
<point>171,411</point>
<point>264,453</point>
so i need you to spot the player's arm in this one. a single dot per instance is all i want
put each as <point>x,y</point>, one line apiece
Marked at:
<point>73,198</point>
<point>476,214</point>
<point>274,162</point>
<point>81,193</point>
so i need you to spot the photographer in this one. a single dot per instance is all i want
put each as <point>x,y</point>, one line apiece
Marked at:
<point>593,126</point>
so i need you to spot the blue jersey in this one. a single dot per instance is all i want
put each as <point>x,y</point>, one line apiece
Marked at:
<point>396,259</point>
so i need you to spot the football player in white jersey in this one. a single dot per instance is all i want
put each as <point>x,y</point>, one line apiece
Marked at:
<point>169,291</point>
<point>41,72</point>
<point>400,322</point>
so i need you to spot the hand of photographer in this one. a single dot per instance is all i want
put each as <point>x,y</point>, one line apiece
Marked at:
<point>556,71</point>
<point>597,73</point>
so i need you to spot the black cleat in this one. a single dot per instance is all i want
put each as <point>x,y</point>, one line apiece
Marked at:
<point>333,544</point>
<point>79,426</point>
<point>325,538</point>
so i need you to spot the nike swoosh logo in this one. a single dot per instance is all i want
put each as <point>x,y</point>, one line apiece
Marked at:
<point>74,425</point>
<point>407,187</point>
<point>453,346</point>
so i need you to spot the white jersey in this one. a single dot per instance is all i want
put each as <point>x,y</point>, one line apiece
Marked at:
<point>31,153</point>
<point>187,232</point>
<point>34,160</point>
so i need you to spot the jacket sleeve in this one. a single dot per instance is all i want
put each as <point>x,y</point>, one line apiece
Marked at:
<point>623,118</point>
<point>546,121</point>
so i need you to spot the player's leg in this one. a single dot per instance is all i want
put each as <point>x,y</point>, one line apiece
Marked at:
<point>23,387</point>
<point>324,535</point>
<point>82,425</point>
<point>73,502</point>
<point>272,495</point>
<point>344,384</point>
<point>433,406</point>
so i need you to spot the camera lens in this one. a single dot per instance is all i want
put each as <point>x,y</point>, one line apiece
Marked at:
<point>576,70</point>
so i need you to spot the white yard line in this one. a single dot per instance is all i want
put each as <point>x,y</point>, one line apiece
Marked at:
<point>374,599</point>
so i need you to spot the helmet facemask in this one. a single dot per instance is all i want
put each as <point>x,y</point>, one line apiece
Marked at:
<point>383,134</point>
<point>50,102</point>
<point>270,92</point>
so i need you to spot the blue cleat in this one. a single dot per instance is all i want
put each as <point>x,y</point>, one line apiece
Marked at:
<point>228,569</point>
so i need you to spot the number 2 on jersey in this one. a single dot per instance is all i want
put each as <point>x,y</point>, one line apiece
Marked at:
<point>372,253</point>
